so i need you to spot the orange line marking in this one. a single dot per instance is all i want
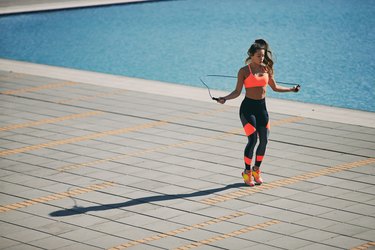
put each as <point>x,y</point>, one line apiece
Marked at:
<point>33,89</point>
<point>225,236</point>
<point>364,246</point>
<point>177,231</point>
<point>291,180</point>
<point>53,197</point>
<point>50,120</point>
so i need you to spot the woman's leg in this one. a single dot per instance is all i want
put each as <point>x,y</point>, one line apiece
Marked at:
<point>249,124</point>
<point>263,133</point>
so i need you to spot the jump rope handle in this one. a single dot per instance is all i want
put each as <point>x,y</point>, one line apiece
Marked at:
<point>215,99</point>
<point>297,88</point>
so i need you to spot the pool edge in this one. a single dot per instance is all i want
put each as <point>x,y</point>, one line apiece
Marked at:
<point>56,5</point>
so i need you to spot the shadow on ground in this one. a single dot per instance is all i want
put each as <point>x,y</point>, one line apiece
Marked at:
<point>139,201</point>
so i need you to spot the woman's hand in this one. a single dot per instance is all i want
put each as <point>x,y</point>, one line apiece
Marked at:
<point>296,88</point>
<point>221,100</point>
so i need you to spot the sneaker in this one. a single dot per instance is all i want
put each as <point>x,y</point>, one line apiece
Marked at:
<point>247,178</point>
<point>256,174</point>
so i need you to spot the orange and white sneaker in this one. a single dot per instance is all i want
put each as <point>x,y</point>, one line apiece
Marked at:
<point>248,178</point>
<point>256,174</point>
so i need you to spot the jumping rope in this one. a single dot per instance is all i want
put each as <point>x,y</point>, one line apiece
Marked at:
<point>226,76</point>
<point>209,92</point>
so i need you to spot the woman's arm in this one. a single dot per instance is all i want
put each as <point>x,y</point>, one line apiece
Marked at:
<point>278,88</point>
<point>237,92</point>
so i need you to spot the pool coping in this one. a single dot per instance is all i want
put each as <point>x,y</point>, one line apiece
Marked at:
<point>307,110</point>
<point>20,7</point>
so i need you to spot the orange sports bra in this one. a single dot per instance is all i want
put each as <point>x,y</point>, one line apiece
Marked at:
<point>256,81</point>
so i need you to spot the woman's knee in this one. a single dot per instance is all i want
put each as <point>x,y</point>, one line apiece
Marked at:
<point>252,139</point>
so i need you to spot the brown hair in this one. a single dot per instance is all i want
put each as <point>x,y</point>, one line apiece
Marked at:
<point>257,45</point>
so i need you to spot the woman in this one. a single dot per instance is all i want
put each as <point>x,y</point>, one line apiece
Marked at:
<point>253,112</point>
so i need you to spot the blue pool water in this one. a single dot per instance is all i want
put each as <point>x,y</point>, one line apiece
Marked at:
<point>326,45</point>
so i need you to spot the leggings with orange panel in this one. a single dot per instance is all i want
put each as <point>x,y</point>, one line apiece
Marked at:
<point>255,120</point>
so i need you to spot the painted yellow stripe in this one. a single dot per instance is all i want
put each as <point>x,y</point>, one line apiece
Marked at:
<point>101,134</point>
<point>122,156</point>
<point>80,138</point>
<point>90,97</point>
<point>287,181</point>
<point>364,246</point>
<point>178,231</point>
<point>53,197</point>
<point>50,120</point>
<point>229,235</point>
<point>162,148</point>
<point>4,209</point>
<point>33,89</point>
<point>286,120</point>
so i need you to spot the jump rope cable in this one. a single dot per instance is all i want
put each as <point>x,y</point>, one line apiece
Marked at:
<point>209,92</point>
<point>226,76</point>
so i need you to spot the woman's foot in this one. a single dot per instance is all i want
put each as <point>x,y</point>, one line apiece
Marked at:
<point>256,174</point>
<point>248,178</point>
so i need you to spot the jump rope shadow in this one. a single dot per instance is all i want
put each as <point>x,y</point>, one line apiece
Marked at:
<point>139,201</point>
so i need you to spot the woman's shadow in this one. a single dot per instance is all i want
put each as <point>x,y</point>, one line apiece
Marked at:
<point>139,201</point>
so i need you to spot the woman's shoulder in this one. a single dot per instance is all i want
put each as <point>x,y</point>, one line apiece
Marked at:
<point>244,71</point>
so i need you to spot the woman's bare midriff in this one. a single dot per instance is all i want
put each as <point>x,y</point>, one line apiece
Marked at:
<point>256,93</point>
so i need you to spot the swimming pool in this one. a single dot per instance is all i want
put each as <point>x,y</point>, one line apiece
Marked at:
<point>324,45</point>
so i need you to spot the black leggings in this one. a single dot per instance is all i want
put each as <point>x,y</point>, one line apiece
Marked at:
<point>254,118</point>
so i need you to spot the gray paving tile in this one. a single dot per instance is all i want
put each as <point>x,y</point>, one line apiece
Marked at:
<point>364,221</point>
<point>188,205</point>
<point>233,243</point>
<point>368,189</point>
<point>52,242</point>
<point>346,229</point>
<point>289,242</point>
<point>284,203</point>
<point>344,242</point>
<point>57,228</point>
<point>288,216</point>
<point>335,203</point>
<point>236,204</point>
<point>260,236</point>
<point>5,242</point>
<point>286,228</point>
<point>23,247</point>
<point>367,236</point>
<point>339,215</point>
<point>167,243</point>
<point>82,234</point>
<point>81,220</point>
<point>259,198</point>
<point>27,236</point>
<point>314,235</point>
<point>79,246</point>
<point>106,241</point>
<point>362,209</point>
<point>319,246</point>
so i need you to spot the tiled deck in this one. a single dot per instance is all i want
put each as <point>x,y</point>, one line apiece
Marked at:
<point>85,166</point>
